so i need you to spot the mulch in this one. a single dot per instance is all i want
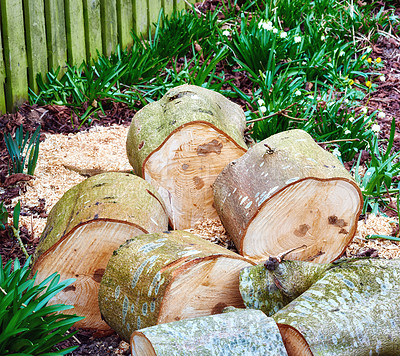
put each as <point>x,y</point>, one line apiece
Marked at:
<point>62,120</point>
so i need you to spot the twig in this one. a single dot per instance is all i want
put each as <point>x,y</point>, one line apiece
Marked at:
<point>270,115</point>
<point>21,244</point>
<point>341,140</point>
<point>294,118</point>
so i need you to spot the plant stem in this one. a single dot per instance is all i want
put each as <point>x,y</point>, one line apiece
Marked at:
<point>341,140</point>
<point>21,244</point>
<point>273,114</point>
<point>383,237</point>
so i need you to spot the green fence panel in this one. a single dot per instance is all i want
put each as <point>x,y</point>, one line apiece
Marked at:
<point>92,19</point>
<point>140,16</point>
<point>180,5</point>
<point>75,28</point>
<point>36,46</point>
<point>168,6</point>
<point>56,34</point>
<point>109,21</point>
<point>125,22</point>
<point>154,10</point>
<point>12,19</point>
<point>3,108</point>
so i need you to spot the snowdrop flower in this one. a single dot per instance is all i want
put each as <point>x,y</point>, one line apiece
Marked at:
<point>260,102</point>
<point>297,39</point>
<point>341,54</point>
<point>323,38</point>
<point>297,92</point>
<point>382,78</point>
<point>283,34</point>
<point>364,110</point>
<point>346,101</point>
<point>263,109</point>
<point>336,152</point>
<point>226,33</point>
<point>351,118</point>
<point>303,63</point>
<point>347,132</point>
<point>265,25</point>
<point>275,30</point>
<point>381,115</point>
<point>376,128</point>
<point>310,97</point>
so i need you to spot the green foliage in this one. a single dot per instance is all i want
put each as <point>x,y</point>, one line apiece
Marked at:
<point>20,147</point>
<point>3,216</point>
<point>28,325</point>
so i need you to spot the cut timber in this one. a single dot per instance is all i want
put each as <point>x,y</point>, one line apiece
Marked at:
<point>287,192</point>
<point>181,143</point>
<point>238,332</point>
<point>90,221</point>
<point>164,277</point>
<point>351,310</point>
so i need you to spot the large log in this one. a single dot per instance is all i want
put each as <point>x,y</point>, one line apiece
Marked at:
<point>238,332</point>
<point>164,277</point>
<point>351,310</point>
<point>90,221</point>
<point>287,192</point>
<point>181,143</point>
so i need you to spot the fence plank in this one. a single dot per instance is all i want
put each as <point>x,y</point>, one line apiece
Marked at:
<point>109,25</point>
<point>125,22</point>
<point>12,19</point>
<point>3,108</point>
<point>75,27</point>
<point>140,16</point>
<point>180,5</point>
<point>168,6</point>
<point>36,46</point>
<point>56,35</point>
<point>154,10</point>
<point>91,15</point>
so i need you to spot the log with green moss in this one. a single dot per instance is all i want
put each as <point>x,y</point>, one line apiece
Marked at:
<point>90,221</point>
<point>164,277</point>
<point>238,332</point>
<point>181,143</point>
<point>287,192</point>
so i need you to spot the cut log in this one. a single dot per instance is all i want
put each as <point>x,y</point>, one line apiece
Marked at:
<point>164,277</point>
<point>239,332</point>
<point>181,143</point>
<point>287,192</point>
<point>351,310</point>
<point>90,221</point>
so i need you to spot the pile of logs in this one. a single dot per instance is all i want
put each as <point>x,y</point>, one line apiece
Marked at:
<point>284,200</point>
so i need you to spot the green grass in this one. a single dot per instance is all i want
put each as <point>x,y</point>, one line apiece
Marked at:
<point>307,63</point>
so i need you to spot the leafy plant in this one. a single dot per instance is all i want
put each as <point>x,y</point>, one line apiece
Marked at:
<point>20,147</point>
<point>3,216</point>
<point>28,326</point>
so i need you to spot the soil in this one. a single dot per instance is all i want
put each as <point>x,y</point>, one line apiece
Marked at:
<point>62,120</point>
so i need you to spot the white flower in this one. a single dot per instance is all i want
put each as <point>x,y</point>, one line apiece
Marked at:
<point>297,39</point>
<point>376,128</point>
<point>364,110</point>
<point>310,97</point>
<point>265,25</point>
<point>351,118</point>
<point>346,101</point>
<point>275,30</point>
<point>303,63</point>
<point>297,92</point>
<point>341,54</point>
<point>347,132</point>
<point>260,102</point>
<point>381,115</point>
<point>283,34</point>
<point>336,152</point>
<point>226,33</point>
<point>263,109</point>
<point>382,78</point>
<point>323,38</point>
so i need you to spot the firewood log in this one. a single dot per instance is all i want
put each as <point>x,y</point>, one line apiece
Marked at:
<point>181,143</point>
<point>163,277</point>
<point>238,332</point>
<point>351,310</point>
<point>287,192</point>
<point>90,221</point>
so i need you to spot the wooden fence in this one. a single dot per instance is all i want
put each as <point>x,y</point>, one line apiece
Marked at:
<point>37,35</point>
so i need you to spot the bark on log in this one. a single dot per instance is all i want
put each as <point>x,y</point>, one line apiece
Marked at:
<point>90,221</point>
<point>164,277</point>
<point>289,195</point>
<point>181,143</point>
<point>239,332</point>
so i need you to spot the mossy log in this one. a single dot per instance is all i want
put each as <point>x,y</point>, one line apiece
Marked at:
<point>163,277</point>
<point>287,192</point>
<point>90,221</point>
<point>238,332</point>
<point>343,308</point>
<point>181,143</point>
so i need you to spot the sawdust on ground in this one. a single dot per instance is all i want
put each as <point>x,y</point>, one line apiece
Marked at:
<point>103,148</point>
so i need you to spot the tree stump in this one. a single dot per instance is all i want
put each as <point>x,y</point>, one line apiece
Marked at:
<point>351,310</point>
<point>181,143</point>
<point>90,221</point>
<point>287,192</point>
<point>164,277</point>
<point>238,332</point>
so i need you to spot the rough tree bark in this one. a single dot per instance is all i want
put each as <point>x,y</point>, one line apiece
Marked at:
<point>164,277</point>
<point>287,192</point>
<point>90,221</point>
<point>181,143</point>
<point>236,332</point>
<point>348,307</point>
